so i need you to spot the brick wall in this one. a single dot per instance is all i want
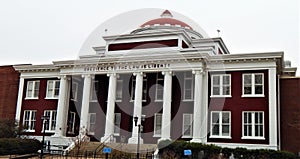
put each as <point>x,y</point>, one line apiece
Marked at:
<point>9,85</point>
<point>290,114</point>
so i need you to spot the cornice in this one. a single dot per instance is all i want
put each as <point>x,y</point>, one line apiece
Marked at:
<point>36,68</point>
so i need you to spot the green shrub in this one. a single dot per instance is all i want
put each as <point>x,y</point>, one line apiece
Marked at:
<point>169,149</point>
<point>19,146</point>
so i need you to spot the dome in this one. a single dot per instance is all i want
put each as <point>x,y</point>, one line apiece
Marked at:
<point>166,19</point>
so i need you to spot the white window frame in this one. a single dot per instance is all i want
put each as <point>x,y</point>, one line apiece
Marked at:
<point>117,124</point>
<point>144,91</point>
<point>185,89</point>
<point>156,132</point>
<point>71,123</point>
<point>119,90</point>
<point>221,86</point>
<point>253,124</point>
<point>94,91</point>
<point>74,91</point>
<point>159,88</point>
<point>51,123</point>
<point>190,124</point>
<point>221,124</point>
<point>91,132</point>
<point>31,120</point>
<point>253,85</point>
<point>35,88</point>
<point>52,95</point>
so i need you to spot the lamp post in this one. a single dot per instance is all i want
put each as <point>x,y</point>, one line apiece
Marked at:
<point>45,120</point>
<point>139,134</point>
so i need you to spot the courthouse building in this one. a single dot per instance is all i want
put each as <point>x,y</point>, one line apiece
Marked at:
<point>185,85</point>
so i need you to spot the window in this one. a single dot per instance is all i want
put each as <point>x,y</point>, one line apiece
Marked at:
<point>71,123</point>
<point>29,120</point>
<point>119,90</point>
<point>253,125</point>
<point>253,84</point>
<point>50,125</point>
<point>92,123</point>
<point>220,124</point>
<point>221,85</point>
<point>74,91</point>
<point>32,91</point>
<point>188,86</point>
<point>159,93</point>
<point>187,126</point>
<point>52,89</point>
<point>94,91</point>
<point>144,95</point>
<point>117,123</point>
<point>157,124</point>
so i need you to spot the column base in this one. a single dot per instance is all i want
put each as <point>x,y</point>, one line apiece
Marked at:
<point>197,140</point>
<point>108,139</point>
<point>134,140</point>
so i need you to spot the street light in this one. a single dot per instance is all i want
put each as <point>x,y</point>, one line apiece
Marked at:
<point>139,133</point>
<point>45,120</point>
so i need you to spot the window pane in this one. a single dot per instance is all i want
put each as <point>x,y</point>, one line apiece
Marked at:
<point>215,129</point>
<point>258,79</point>
<point>226,80</point>
<point>247,90</point>
<point>216,90</point>
<point>225,130</point>
<point>36,89</point>
<point>247,79</point>
<point>215,117</point>
<point>225,118</point>
<point>258,89</point>
<point>226,90</point>
<point>216,80</point>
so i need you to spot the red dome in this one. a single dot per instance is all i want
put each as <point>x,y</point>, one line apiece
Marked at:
<point>163,21</point>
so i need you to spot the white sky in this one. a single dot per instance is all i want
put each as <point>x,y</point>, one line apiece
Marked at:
<point>39,31</point>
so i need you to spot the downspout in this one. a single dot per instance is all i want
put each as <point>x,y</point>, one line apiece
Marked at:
<point>278,111</point>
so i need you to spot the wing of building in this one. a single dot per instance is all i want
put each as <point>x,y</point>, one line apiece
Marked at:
<point>184,85</point>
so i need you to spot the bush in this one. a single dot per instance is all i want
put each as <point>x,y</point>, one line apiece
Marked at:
<point>9,146</point>
<point>169,149</point>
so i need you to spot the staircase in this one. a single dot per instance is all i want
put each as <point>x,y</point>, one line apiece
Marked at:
<point>90,149</point>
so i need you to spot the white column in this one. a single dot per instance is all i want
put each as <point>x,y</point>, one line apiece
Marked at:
<point>62,108</point>
<point>85,104</point>
<point>204,108</point>
<point>273,109</point>
<point>198,116</point>
<point>166,116</point>
<point>20,99</point>
<point>137,112</point>
<point>110,112</point>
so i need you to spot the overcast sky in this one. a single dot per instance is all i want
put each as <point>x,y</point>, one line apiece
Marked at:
<point>39,31</point>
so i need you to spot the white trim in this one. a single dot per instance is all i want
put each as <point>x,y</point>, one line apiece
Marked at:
<point>220,86</point>
<point>20,100</point>
<point>159,83</point>
<point>244,145</point>
<point>185,78</point>
<point>190,124</point>
<point>253,125</point>
<point>253,94</point>
<point>220,120</point>
<point>52,95</point>
<point>30,120</point>
<point>119,86</point>
<point>74,94</point>
<point>32,95</point>
<point>89,124</point>
<point>155,129</point>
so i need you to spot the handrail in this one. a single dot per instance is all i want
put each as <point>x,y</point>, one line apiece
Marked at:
<point>102,143</point>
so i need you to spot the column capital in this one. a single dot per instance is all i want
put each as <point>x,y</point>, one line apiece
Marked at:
<point>198,72</point>
<point>64,77</point>
<point>138,73</point>
<point>167,72</point>
<point>112,74</point>
<point>87,76</point>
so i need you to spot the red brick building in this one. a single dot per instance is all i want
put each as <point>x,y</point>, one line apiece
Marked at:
<point>290,114</point>
<point>9,85</point>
